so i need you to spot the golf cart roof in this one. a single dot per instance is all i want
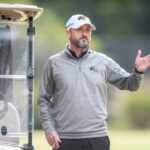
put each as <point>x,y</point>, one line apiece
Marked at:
<point>18,12</point>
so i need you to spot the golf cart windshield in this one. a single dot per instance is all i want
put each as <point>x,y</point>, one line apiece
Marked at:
<point>13,85</point>
<point>16,75</point>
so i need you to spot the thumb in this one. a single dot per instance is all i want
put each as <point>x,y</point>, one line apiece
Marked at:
<point>139,53</point>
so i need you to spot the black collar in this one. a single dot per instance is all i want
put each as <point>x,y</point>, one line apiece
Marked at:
<point>74,54</point>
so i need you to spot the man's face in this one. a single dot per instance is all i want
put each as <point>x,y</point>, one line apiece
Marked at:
<point>80,37</point>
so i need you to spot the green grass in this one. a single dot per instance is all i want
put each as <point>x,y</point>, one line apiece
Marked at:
<point>120,140</point>
<point>130,140</point>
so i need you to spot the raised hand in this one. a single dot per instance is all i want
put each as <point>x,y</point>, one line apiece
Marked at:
<point>142,63</point>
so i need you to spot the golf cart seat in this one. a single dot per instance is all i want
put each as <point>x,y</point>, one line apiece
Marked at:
<point>9,125</point>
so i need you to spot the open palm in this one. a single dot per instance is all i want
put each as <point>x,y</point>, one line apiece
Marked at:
<point>142,63</point>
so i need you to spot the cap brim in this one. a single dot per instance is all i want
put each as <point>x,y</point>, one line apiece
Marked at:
<point>90,24</point>
<point>93,27</point>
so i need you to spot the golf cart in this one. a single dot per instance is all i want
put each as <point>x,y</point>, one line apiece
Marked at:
<point>17,75</point>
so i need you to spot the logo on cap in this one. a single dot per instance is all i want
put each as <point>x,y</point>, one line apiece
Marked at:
<point>81,18</point>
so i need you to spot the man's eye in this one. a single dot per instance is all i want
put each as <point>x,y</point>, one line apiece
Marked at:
<point>88,30</point>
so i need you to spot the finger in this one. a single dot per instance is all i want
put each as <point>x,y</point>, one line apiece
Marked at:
<point>50,140</point>
<point>59,139</point>
<point>53,146</point>
<point>53,139</point>
<point>56,142</point>
<point>139,53</point>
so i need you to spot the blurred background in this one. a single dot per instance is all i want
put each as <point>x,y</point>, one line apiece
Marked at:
<point>123,27</point>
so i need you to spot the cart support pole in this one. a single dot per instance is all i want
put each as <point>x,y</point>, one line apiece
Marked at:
<point>30,76</point>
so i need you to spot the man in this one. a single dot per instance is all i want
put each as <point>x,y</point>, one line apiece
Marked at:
<point>73,92</point>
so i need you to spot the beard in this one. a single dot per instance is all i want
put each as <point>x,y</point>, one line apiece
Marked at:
<point>81,43</point>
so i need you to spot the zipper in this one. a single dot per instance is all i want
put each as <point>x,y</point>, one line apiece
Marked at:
<point>78,61</point>
<point>79,64</point>
<point>81,59</point>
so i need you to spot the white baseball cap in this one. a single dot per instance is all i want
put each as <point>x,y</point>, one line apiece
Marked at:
<point>77,21</point>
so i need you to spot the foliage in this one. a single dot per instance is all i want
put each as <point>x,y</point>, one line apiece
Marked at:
<point>37,123</point>
<point>17,1</point>
<point>130,109</point>
<point>110,17</point>
<point>138,108</point>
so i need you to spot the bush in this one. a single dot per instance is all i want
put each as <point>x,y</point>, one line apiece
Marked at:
<point>138,109</point>
<point>37,124</point>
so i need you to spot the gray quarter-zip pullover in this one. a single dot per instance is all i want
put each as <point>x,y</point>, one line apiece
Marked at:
<point>73,93</point>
